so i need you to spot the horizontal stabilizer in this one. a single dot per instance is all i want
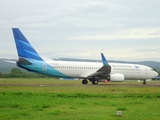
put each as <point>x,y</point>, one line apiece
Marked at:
<point>24,61</point>
<point>14,62</point>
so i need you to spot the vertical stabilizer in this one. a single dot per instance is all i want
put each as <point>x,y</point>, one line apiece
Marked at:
<point>24,48</point>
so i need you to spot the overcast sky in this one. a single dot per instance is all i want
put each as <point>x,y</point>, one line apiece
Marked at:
<point>121,29</point>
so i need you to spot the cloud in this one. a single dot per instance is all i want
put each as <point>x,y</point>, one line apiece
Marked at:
<point>84,14</point>
<point>138,33</point>
<point>157,50</point>
<point>87,27</point>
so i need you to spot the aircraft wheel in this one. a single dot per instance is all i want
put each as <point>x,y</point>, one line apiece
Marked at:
<point>95,82</point>
<point>84,81</point>
<point>108,77</point>
<point>144,82</point>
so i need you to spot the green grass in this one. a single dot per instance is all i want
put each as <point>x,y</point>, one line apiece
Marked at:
<point>77,102</point>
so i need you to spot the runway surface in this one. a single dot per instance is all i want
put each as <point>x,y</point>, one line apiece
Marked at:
<point>89,85</point>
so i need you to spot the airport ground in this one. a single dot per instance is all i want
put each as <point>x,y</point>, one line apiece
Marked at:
<point>50,99</point>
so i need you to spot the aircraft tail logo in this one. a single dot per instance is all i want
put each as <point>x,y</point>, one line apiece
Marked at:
<point>24,48</point>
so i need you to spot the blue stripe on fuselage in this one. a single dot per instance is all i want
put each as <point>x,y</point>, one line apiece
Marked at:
<point>43,68</point>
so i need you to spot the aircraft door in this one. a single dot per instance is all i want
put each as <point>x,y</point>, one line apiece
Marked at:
<point>44,67</point>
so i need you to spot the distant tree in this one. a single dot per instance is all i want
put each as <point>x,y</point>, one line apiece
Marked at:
<point>1,75</point>
<point>155,69</point>
<point>18,73</point>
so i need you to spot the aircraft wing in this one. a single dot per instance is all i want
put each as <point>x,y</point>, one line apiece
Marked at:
<point>104,70</point>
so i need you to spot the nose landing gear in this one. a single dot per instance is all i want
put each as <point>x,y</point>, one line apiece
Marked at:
<point>144,82</point>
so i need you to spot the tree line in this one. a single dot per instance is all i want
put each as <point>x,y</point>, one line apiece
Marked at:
<point>18,73</point>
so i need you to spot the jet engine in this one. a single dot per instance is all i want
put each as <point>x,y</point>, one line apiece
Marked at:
<point>117,77</point>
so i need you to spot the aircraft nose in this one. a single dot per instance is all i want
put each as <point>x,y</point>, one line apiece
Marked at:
<point>155,74</point>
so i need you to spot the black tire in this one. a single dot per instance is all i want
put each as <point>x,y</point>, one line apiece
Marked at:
<point>84,81</point>
<point>108,77</point>
<point>95,82</point>
<point>144,82</point>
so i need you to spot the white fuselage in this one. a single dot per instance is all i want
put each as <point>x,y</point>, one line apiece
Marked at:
<point>84,69</point>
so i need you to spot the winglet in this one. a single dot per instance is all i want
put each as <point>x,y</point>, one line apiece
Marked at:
<point>105,63</point>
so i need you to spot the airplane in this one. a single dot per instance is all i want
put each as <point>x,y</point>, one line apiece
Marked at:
<point>94,72</point>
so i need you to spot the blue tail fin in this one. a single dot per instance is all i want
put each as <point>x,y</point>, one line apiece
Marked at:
<point>24,48</point>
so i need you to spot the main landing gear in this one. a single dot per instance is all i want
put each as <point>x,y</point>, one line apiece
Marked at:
<point>94,81</point>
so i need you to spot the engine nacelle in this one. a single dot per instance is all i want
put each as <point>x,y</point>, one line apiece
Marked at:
<point>116,77</point>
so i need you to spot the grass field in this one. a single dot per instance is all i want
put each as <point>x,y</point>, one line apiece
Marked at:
<point>68,100</point>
